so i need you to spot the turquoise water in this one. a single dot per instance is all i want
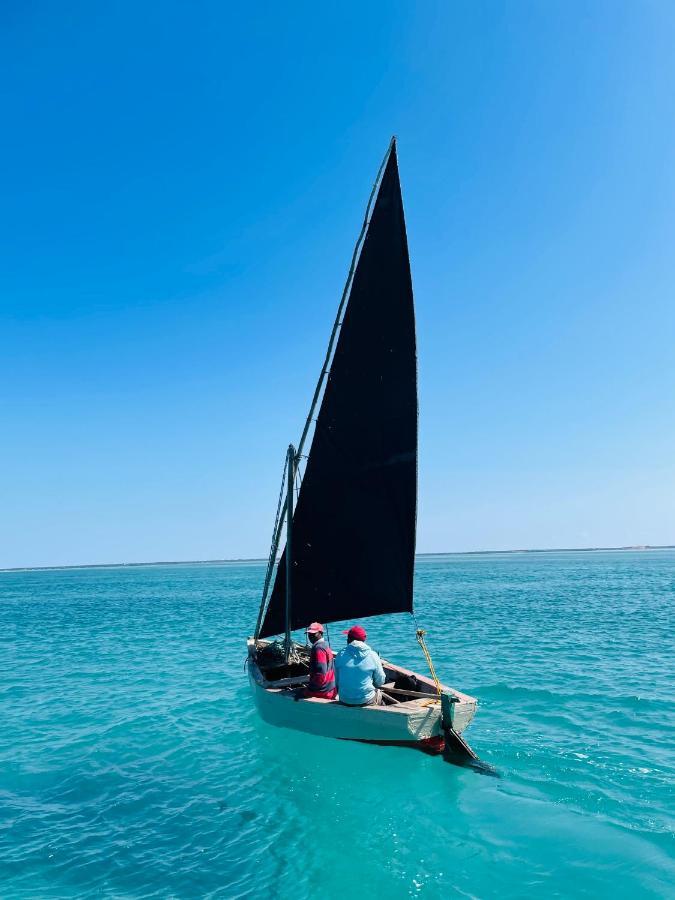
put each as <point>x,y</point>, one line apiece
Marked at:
<point>132,763</point>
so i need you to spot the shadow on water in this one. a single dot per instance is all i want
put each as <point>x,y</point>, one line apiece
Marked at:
<point>476,765</point>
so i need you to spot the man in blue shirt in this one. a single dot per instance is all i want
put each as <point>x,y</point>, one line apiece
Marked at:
<point>358,671</point>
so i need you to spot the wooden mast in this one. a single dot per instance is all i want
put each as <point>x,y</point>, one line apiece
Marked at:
<point>290,484</point>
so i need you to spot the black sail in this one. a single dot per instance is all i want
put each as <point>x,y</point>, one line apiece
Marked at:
<point>354,524</point>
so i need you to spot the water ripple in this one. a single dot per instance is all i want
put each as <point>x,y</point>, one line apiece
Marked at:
<point>132,763</point>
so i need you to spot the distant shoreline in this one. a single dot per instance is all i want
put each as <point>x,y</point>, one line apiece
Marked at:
<point>211,562</point>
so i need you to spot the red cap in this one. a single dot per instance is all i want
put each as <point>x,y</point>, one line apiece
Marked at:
<point>356,633</point>
<point>314,627</point>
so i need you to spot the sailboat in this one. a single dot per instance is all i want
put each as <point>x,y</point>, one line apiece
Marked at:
<point>350,532</point>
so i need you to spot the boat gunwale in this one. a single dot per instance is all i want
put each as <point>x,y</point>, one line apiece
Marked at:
<point>280,687</point>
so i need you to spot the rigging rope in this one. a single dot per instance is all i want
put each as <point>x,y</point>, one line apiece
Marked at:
<point>420,632</point>
<point>273,550</point>
<point>325,369</point>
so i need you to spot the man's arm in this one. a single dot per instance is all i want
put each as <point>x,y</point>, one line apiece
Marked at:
<point>319,675</point>
<point>379,677</point>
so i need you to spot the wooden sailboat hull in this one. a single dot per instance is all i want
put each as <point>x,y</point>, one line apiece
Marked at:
<point>414,723</point>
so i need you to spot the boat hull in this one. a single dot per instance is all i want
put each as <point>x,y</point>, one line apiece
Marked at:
<point>415,723</point>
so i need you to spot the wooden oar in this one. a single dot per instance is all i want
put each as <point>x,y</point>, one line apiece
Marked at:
<point>403,693</point>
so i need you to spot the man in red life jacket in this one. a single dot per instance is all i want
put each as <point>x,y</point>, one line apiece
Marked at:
<point>321,670</point>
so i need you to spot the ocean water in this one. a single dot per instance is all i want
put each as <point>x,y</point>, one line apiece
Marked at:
<point>132,763</point>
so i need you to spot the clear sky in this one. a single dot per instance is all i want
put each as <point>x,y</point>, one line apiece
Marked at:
<point>181,188</point>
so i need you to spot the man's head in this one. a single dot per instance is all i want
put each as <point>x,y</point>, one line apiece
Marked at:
<point>355,633</point>
<point>315,632</point>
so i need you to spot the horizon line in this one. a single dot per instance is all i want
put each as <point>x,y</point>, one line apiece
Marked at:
<point>256,559</point>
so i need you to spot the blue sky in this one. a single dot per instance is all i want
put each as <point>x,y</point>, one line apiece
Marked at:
<point>181,188</point>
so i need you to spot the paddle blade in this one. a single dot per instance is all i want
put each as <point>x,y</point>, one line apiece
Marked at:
<point>459,753</point>
<point>455,744</point>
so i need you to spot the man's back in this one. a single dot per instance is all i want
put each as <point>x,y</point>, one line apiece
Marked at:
<point>359,672</point>
<point>321,671</point>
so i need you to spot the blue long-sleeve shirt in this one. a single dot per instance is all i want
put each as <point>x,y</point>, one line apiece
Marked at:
<point>358,671</point>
